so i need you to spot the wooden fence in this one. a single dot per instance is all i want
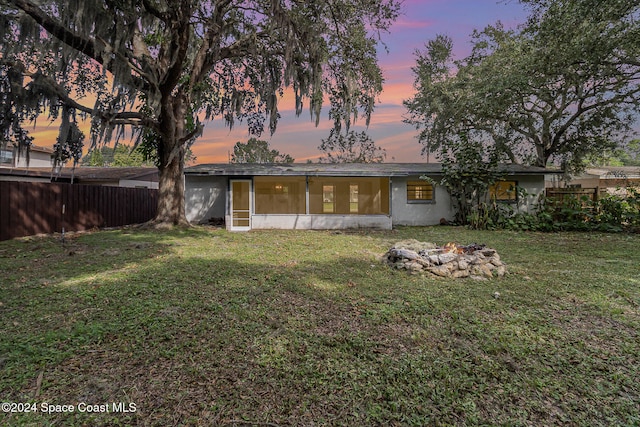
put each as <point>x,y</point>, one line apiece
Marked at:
<point>558,195</point>
<point>28,208</point>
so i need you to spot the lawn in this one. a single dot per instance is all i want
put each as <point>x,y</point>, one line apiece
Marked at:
<point>277,328</point>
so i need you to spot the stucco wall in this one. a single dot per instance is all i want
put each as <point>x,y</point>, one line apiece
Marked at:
<point>534,186</point>
<point>320,222</point>
<point>205,197</point>
<point>413,213</point>
<point>418,213</point>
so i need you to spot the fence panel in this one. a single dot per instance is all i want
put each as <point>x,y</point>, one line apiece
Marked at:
<point>28,208</point>
<point>560,194</point>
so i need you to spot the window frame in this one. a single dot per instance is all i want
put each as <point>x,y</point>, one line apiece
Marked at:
<point>493,191</point>
<point>6,157</point>
<point>420,183</point>
<point>328,198</point>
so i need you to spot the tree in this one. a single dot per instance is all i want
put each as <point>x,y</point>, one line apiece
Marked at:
<point>628,154</point>
<point>124,155</point>
<point>350,148</point>
<point>160,65</point>
<point>563,86</point>
<point>96,157</point>
<point>257,151</point>
<point>468,171</point>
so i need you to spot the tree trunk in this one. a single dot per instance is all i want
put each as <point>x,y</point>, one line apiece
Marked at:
<point>171,203</point>
<point>171,209</point>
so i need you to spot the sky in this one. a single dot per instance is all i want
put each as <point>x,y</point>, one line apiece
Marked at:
<point>419,22</point>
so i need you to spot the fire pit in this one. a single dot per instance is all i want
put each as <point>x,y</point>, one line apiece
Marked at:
<point>450,260</point>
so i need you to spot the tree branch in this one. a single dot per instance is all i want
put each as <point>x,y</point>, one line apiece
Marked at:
<point>55,28</point>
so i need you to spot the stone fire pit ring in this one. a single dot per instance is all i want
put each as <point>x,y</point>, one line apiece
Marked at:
<point>450,260</point>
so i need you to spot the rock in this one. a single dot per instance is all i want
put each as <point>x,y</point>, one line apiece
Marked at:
<point>452,266</point>
<point>481,270</point>
<point>448,257</point>
<point>434,259</point>
<point>460,274</point>
<point>496,262</point>
<point>440,270</point>
<point>421,257</point>
<point>414,266</point>
<point>403,253</point>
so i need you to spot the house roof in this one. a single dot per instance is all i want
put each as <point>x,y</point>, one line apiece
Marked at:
<point>87,174</point>
<point>615,172</point>
<point>38,148</point>
<point>341,169</point>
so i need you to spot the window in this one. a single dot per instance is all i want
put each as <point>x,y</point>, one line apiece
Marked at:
<point>6,157</point>
<point>419,191</point>
<point>353,198</point>
<point>348,196</point>
<point>328,199</point>
<point>504,191</point>
<point>280,195</point>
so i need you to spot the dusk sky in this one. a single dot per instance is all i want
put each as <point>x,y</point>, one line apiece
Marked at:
<point>419,22</point>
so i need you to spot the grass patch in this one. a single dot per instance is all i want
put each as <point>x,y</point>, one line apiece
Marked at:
<point>205,327</point>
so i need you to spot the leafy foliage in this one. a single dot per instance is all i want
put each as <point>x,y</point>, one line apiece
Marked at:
<point>158,66</point>
<point>563,86</point>
<point>258,151</point>
<point>627,154</point>
<point>121,155</point>
<point>608,213</point>
<point>350,148</point>
<point>467,174</point>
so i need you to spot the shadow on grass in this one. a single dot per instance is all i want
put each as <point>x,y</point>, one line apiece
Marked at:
<point>315,334</point>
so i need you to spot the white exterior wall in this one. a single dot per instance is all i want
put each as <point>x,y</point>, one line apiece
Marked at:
<point>205,197</point>
<point>418,213</point>
<point>37,159</point>
<point>320,222</point>
<point>421,213</point>
<point>534,186</point>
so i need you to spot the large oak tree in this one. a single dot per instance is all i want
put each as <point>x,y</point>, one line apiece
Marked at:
<point>564,85</point>
<point>162,66</point>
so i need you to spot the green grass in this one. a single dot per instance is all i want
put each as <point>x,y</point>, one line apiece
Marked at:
<point>205,327</point>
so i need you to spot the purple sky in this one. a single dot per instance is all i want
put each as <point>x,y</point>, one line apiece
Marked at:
<point>419,22</point>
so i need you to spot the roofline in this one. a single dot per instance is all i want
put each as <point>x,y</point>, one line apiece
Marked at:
<point>342,169</point>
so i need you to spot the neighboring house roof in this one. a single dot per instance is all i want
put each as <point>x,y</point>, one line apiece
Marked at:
<point>87,174</point>
<point>341,169</point>
<point>614,172</point>
<point>47,150</point>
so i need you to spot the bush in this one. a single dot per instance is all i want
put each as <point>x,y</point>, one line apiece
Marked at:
<point>611,213</point>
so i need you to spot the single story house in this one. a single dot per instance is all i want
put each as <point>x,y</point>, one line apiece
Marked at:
<point>335,196</point>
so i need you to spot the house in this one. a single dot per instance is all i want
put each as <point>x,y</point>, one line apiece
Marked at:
<point>612,179</point>
<point>38,157</point>
<point>335,196</point>
<point>132,177</point>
